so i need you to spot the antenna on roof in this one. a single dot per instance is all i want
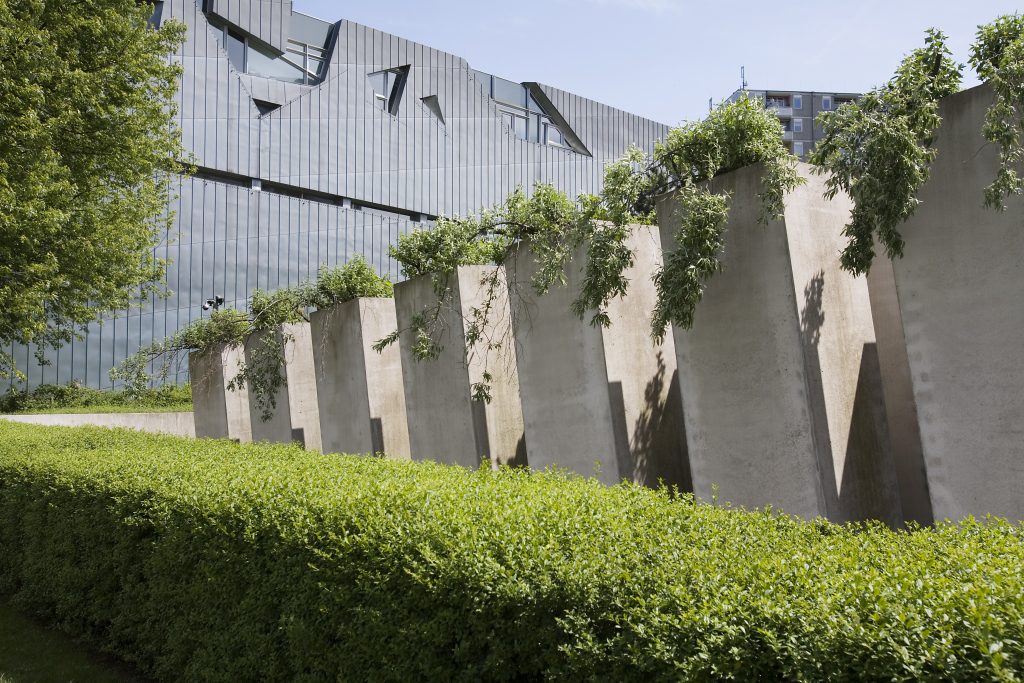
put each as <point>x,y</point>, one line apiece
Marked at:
<point>743,78</point>
<point>711,106</point>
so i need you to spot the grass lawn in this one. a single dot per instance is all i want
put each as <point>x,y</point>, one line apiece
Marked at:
<point>30,653</point>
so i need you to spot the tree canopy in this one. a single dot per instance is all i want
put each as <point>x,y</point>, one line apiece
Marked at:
<point>87,146</point>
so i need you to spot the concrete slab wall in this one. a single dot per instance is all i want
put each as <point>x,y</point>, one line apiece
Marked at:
<point>174,424</point>
<point>219,412</point>
<point>360,391</point>
<point>961,297</point>
<point>900,409</point>
<point>296,416</point>
<point>445,424</point>
<point>780,377</point>
<point>601,402</point>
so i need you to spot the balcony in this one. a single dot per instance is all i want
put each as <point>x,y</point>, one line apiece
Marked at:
<point>780,111</point>
<point>787,135</point>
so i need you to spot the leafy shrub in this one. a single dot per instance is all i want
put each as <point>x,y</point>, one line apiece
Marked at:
<point>355,279</point>
<point>74,395</point>
<point>206,560</point>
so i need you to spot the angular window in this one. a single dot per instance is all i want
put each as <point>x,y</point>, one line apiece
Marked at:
<point>434,105</point>
<point>157,16</point>
<point>308,58</point>
<point>234,45</point>
<point>265,107</point>
<point>388,86</point>
<point>261,61</point>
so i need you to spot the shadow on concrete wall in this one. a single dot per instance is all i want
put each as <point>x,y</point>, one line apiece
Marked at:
<point>869,489</point>
<point>812,319</point>
<point>655,451</point>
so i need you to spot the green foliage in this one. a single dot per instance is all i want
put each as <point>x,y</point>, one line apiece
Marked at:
<point>734,135</point>
<point>355,279</point>
<point>445,247</point>
<point>74,396</point>
<point>997,56</point>
<point>153,363</point>
<point>206,560</point>
<point>89,146</point>
<point>879,150</point>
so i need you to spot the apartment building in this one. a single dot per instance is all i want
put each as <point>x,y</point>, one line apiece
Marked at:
<point>798,111</point>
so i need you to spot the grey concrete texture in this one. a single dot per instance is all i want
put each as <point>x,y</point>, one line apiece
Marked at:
<point>445,423</point>
<point>220,413</point>
<point>601,402</point>
<point>173,424</point>
<point>360,391</point>
<point>961,296</point>
<point>780,375</point>
<point>898,390</point>
<point>296,415</point>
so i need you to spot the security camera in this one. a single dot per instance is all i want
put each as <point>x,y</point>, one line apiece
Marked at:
<point>214,303</point>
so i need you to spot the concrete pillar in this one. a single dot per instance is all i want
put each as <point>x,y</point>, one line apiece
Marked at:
<point>362,400</point>
<point>445,424</point>
<point>960,285</point>
<point>897,387</point>
<point>780,373</point>
<point>296,415</point>
<point>220,413</point>
<point>602,402</point>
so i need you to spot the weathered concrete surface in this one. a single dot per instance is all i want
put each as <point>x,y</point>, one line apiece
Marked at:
<point>296,415</point>
<point>780,379</point>
<point>601,402</point>
<point>174,424</point>
<point>362,399</point>
<point>897,387</point>
<point>961,296</point>
<point>219,412</point>
<point>445,424</point>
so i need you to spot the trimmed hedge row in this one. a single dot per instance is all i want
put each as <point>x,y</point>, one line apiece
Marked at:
<point>205,560</point>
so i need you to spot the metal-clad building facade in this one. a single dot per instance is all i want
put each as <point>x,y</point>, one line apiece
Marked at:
<point>315,142</point>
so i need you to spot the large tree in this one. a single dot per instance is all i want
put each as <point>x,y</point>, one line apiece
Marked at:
<point>88,147</point>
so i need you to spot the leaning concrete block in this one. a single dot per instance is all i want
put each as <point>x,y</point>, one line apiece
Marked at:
<point>296,414</point>
<point>445,424</point>
<point>961,287</point>
<point>601,402</point>
<point>360,391</point>
<point>780,372</point>
<point>220,413</point>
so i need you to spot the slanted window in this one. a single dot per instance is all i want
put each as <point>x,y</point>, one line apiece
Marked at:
<point>434,105</point>
<point>388,86</point>
<point>308,58</point>
<point>265,107</point>
<point>261,61</point>
<point>234,45</point>
<point>157,16</point>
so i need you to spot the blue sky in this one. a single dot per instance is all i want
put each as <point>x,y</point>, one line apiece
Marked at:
<point>664,58</point>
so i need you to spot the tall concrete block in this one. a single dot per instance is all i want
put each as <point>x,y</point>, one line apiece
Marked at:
<point>295,417</point>
<point>220,413</point>
<point>360,391</point>
<point>445,424</point>
<point>601,402</point>
<point>961,297</point>
<point>780,376</point>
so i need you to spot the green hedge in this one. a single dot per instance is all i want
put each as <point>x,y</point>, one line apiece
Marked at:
<point>77,397</point>
<point>205,560</point>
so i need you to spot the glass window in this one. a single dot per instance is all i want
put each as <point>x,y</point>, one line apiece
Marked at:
<point>509,92</point>
<point>553,136</point>
<point>234,44</point>
<point>519,127</point>
<point>262,62</point>
<point>787,124</point>
<point>798,148</point>
<point>826,103</point>
<point>157,16</point>
<point>798,102</point>
<point>798,125</point>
